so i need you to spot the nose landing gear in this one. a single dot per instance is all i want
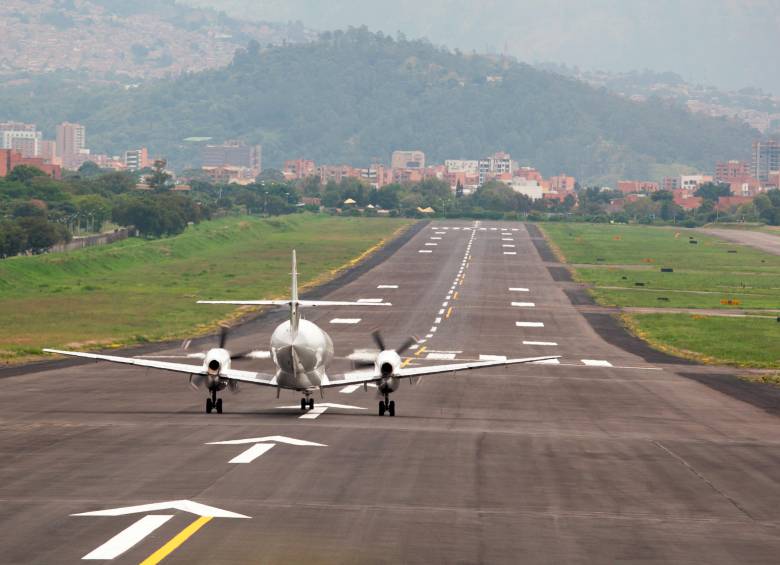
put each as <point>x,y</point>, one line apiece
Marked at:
<point>213,403</point>
<point>307,403</point>
<point>387,405</point>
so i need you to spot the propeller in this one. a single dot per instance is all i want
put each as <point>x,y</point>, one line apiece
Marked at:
<point>380,343</point>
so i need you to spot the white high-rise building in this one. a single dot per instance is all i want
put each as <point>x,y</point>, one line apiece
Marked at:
<point>23,138</point>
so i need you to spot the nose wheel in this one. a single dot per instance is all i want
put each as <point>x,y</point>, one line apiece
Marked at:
<point>307,403</point>
<point>388,406</point>
<point>213,403</point>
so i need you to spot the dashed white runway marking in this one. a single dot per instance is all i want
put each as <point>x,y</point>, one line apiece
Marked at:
<point>435,239</point>
<point>492,357</point>
<point>369,300</point>
<point>529,324</point>
<point>437,321</point>
<point>524,304</point>
<point>431,244</point>
<point>433,329</point>
<point>429,336</point>
<point>441,311</point>
<point>517,289</point>
<point>493,229</point>
<point>345,320</point>
<point>440,356</point>
<point>539,343</point>
<point>387,286</point>
<point>425,251</point>
<point>444,304</point>
<point>596,363</point>
<point>510,253</point>
<point>508,245</point>
<point>507,239</point>
<point>546,362</point>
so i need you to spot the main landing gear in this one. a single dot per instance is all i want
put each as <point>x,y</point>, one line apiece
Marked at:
<point>213,403</point>
<point>307,403</point>
<point>387,405</point>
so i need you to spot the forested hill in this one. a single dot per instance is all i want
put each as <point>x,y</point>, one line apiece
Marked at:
<point>354,96</point>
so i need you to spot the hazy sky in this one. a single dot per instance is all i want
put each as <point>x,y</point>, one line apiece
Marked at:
<point>726,43</point>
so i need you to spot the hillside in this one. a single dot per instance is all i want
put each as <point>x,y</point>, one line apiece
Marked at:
<point>112,38</point>
<point>353,96</point>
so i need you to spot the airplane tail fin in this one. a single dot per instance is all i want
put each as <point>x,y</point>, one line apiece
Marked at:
<point>295,315</point>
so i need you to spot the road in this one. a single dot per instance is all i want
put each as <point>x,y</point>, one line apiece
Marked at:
<point>615,454</point>
<point>760,240</point>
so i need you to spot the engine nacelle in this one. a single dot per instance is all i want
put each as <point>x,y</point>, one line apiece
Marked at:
<point>387,364</point>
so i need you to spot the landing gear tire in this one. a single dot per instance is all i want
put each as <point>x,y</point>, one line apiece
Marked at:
<point>219,406</point>
<point>381,407</point>
<point>391,408</point>
<point>209,406</point>
<point>303,404</point>
<point>311,404</point>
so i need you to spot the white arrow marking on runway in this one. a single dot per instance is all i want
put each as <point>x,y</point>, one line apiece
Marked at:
<point>321,408</point>
<point>136,532</point>
<point>262,445</point>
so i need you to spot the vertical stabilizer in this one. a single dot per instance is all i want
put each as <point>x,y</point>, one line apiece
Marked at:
<point>294,314</point>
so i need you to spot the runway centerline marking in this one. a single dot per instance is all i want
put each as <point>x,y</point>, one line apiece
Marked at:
<point>510,252</point>
<point>596,363</point>
<point>345,320</point>
<point>425,251</point>
<point>529,324</point>
<point>387,286</point>
<point>539,343</point>
<point>507,245</point>
<point>518,289</point>
<point>524,304</point>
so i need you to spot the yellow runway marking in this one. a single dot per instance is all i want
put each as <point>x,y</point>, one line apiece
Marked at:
<point>455,296</point>
<point>176,541</point>
<point>419,351</point>
<point>449,311</point>
<point>406,361</point>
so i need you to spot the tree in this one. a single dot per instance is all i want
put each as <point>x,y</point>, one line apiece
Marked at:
<point>89,169</point>
<point>13,239</point>
<point>25,173</point>
<point>713,191</point>
<point>159,179</point>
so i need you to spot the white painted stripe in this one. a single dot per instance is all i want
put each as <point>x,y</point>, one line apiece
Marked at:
<point>128,537</point>
<point>524,304</point>
<point>437,321</point>
<point>252,453</point>
<point>313,413</point>
<point>459,228</point>
<point>493,229</point>
<point>435,239</point>
<point>387,286</point>
<point>596,363</point>
<point>370,300</point>
<point>455,351</point>
<point>349,389</point>
<point>492,357</point>
<point>441,311</point>
<point>546,362</point>
<point>515,229</point>
<point>425,251</point>
<point>529,324</point>
<point>507,239</point>
<point>539,343</point>
<point>508,245</point>
<point>431,244</point>
<point>444,304</point>
<point>345,321</point>
<point>439,233</point>
<point>440,356</point>
<point>427,337</point>
<point>517,289</point>
<point>510,253</point>
<point>433,329</point>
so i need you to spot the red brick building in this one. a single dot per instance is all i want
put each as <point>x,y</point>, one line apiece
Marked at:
<point>636,186</point>
<point>10,159</point>
<point>731,171</point>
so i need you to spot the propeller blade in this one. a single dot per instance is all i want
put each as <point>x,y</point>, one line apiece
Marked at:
<point>380,343</point>
<point>410,341</point>
<point>223,333</point>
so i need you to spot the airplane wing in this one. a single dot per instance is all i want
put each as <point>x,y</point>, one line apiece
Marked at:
<point>372,376</point>
<point>234,374</point>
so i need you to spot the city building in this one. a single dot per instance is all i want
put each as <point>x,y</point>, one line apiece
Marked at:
<point>766,158</point>
<point>528,187</point>
<point>670,183</point>
<point>562,183</point>
<point>296,169</point>
<point>636,186</point>
<point>408,160</point>
<point>731,171</point>
<point>137,159</point>
<point>21,137</point>
<point>10,159</point>
<point>494,166</point>
<point>72,145</point>
<point>468,167</point>
<point>692,182</point>
<point>233,154</point>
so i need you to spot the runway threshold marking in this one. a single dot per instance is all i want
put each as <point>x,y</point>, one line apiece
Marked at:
<point>176,541</point>
<point>596,362</point>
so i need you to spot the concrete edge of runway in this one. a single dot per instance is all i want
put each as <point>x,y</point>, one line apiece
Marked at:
<point>242,326</point>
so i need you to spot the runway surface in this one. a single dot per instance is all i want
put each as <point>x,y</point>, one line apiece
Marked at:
<point>767,242</point>
<point>605,457</point>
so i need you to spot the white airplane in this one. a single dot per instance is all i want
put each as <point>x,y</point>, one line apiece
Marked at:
<point>301,351</point>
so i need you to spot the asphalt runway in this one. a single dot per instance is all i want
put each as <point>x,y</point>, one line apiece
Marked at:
<point>606,457</point>
<point>768,242</point>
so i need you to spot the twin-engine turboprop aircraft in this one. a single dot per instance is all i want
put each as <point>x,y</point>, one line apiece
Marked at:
<point>301,352</point>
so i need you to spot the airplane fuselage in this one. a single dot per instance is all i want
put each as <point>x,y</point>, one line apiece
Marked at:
<point>302,356</point>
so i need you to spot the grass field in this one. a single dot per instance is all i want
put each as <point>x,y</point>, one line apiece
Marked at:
<point>137,291</point>
<point>612,259</point>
